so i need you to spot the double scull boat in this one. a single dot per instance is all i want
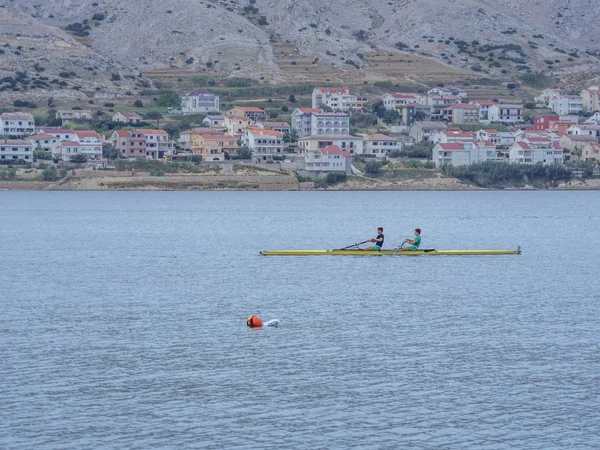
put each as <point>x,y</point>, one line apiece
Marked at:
<point>391,252</point>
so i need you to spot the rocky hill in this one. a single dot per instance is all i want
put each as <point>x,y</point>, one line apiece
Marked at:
<point>493,38</point>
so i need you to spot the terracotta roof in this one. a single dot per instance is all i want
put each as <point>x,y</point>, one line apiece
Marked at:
<point>334,150</point>
<point>483,102</point>
<point>150,131</point>
<point>451,146</point>
<point>249,109</point>
<point>123,133</point>
<point>458,133</point>
<point>243,119</point>
<point>41,136</point>
<point>524,145</point>
<point>259,131</point>
<point>379,137</point>
<point>486,143</point>
<point>69,144</point>
<point>87,134</point>
<point>557,146</point>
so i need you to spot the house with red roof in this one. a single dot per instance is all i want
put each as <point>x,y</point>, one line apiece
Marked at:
<point>463,153</point>
<point>127,117</point>
<point>535,149</point>
<point>44,141</point>
<point>327,159</point>
<point>336,98</point>
<point>130,143</point>
<point>397,100</point>
<point>199,101</point>
<point>158,144</point>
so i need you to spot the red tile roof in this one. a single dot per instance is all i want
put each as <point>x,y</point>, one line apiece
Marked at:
<point>57,130</point>
<point>524,145</point>
<point>149,131</point>
<point>451,146</point>
<point>341,90</point>
<point>334,150</point>
<point>41,136</point>
<point>87,134</point>
<point>483,102</point>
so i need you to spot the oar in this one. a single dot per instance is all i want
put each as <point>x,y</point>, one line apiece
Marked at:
<point>398,249</point>
<point>355,245</point>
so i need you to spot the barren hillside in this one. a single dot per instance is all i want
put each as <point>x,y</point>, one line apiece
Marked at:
<point>263,38</point>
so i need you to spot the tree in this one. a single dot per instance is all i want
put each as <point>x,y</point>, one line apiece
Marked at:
<point>50,173</point>
<point>378,109</point>
<point>108,151</point>
<point>244,153</point>
<point>79,158</point>
<point>290,136</point>
<point>373,167</point>
<point>292,98</point>
<point>419,115</point>
<point>391,116</point>
<point>138,104</point>
<point>41,154</point>
<point>154,115</point>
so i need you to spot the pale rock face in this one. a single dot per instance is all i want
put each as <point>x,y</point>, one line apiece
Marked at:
<point>217,37</point>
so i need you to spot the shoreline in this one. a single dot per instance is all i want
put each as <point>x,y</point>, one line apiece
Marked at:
<point>280,183</point>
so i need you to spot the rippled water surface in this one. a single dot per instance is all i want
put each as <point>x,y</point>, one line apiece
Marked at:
<point>122,321</point>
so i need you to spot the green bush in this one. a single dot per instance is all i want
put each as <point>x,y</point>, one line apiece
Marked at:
<point>50,173</point>
<point>334,178</point>
<point>498,174</point>
<point>373,167</point>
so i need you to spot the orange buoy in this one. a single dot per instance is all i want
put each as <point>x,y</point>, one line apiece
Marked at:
<point>254,322</point>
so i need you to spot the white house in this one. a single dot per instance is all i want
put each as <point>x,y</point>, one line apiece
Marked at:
<point>282,127</point>
<point>330,158</point>
<point>199,101</point>
<point>503,139</point>
<point>536,150</point>
<point>439,102</point>
<point>547,94</point>
<point>15,150</point>
<point>380,145</point>
<point>338,99</point>
<point>452,135</point>
<point>461,113</point>
<point>423,131</point>
<point>348,143</point>
<point>564,105</point>
<point>593,119</point>
<point>213,121</point>
<point>62,134</point>
<point>584,130</point>
<point>44,141</point>
<point>69,115</point>
<point>507,113</point>
<point>71,142</point>
<point>311,121</point>
<point>396,101</point>
<point>265,144</point>
<point>127,117</point>
<point>90,143</point>
<point>16,124</point>
<point>463,153</point>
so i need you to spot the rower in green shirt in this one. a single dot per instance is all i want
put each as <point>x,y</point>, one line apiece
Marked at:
<point>413,243</point>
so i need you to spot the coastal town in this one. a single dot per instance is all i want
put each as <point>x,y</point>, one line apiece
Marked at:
<point>340,132</point>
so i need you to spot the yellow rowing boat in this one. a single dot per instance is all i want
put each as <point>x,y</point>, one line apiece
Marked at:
<point>428,252</point>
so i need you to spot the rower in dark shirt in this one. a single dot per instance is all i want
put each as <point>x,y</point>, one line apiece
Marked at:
<point>378,241</point>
